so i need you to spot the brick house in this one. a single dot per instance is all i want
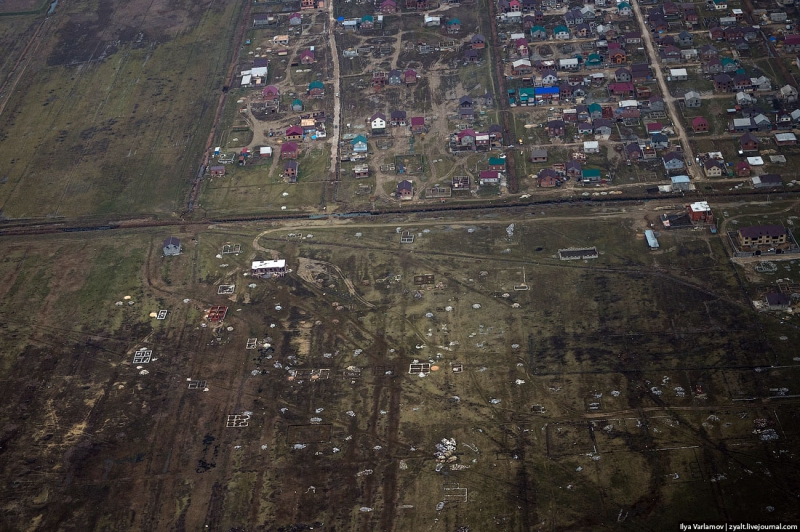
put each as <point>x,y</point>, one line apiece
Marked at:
<point>700,125</point>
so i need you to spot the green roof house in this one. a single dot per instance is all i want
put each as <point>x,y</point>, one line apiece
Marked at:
<point>359,144</point>
<point>297,106</point>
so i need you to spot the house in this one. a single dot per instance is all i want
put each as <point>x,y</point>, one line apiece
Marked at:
<point>633,152</point>
<point>521,47</point>
<point>297,106</point>
<point>778,301</point>
<point>290,171</point>
<point>294,133</point>
<point>538,32</point>
<point>265,152</point>
<point>573,17</point>
<point>692,99</point>
<point>378,123</point>
<point>453,26</point>
<point>767,181</point>
<point>616,56</point>
<point>417,5</point>
<point>172,247</point>
<point>624,9</point>
<point>748,143</point>
<point>788,94</point>
<point>316,89</point>
<point>217,171</point>
<point>359,144</point>
<point>405,190</point>
<point>555,128</point>
<point>729,65</point>
<point>723,83</point>
<point>410,77</point>
<point>791,43</point>
<point>741,82</point>
<point>761,84</point>
<point>595,110</point>
<point>569,64</point>
<point>593,60</point>
<point>744,124</point>
<point>670,54</point>
<point>714,168</point>
<point>561,33</point>
<point>685,39</point>
<point>489,177</point>
<point>288,150</point>
<point>583,30</point>
<point>573,168</point>
<point>466,138</point>
<point>708,51</point>
<point>295,19</point>
<point>398,119</point>
<point>622,75</point>
<point>785,139</point>
<point>430,21</point>
<point>521,67</point>
<point>654,127</point>
<point>700,125</point>
<point>743,169</point>
<point>271,93</point>
<point>388,6</point>
<point>268,268</point>
<point>763,235</point>
<point>417,124</point>
<point>499,163</point>
<point>713,66</point>
<point>547,178</point>
<point>699,211</point>
<point>478,42</point>
<point>633,37</point>
<point>673,161</point>
<point>260,20</point>
<point>659,141</point>
<point>591,175</point>
<point>538,155</point>
<point>585,128</point>
<point>394,77</point>
<point>640,73</point>
<point>549,78</point>
<point>720,5</point>
<point>678,74</point>
<point>621,89</point>
<point>591,146</point>
<point>306,57</point>
<point>471,56</point>
<point>367,22</point>
<point>601,126</point>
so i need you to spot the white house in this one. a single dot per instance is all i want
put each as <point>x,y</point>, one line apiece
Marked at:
<point>268,268</point>
<point>591,146</point>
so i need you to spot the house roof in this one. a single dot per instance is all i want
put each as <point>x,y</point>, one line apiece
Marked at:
<point>316,84</point>
<point>560,29</point>
<point>591,172</point>
<point>748,138</point>
<point>478,38</point>
<point>405,184</point>
<point>294,130</point>
<point>417,120</point>
<point>673,156</point>
<point>290,164</point>
<point>555,124</point>
<point>538,152</point>
<point>288,147</point>
<point>659,138</point>
<point>359,139</point>
<point>453,22</point>
<point>297,101</point>
<point>465,99</point>
<point>633,147</point>
<point>777,299</point>
<point>377,115</point>
<point>270,89</point>
<point>398,114</point>
<point>488,174</point>
<point>699,121</point>
<point>496,161</point>
<point>172,241</point>
<point>757,231</point>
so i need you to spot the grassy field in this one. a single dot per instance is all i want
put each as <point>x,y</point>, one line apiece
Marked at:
<point>611,391</point>
<point>114,124</point>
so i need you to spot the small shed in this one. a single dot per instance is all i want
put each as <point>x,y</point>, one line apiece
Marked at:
<point>652,241</point>
<point>681,182</point>
<point>172,247</point>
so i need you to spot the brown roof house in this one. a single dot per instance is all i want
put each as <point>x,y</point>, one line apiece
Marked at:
<point>290,171</point>
<point>405,190</point>
<point>763,235</point>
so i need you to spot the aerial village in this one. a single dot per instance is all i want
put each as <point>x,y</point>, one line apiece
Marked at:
<point>597,98</point>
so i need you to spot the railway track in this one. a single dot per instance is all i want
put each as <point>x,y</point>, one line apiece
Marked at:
<point>9,229</point>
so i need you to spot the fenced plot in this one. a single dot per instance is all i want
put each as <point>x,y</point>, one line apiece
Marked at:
<point>251,343</point>
<point>383,371</point>
<point>217,313</point>
<point>458,368</point>
<point>352,372</point>
<point>438,192</point>
<point>142,356</point>
<point>423,367</point>
<point>226,289</point>
<point>162,314</point>
<point>427,278</point>
<point>309,433</point>
<point>453,492</point>
<point>237,421</point>
<point>577,253</point>
<point>228,249</point>
<point>311,374</point>
<point>197,385</point>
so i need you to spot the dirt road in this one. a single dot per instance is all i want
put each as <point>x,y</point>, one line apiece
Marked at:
<point>337,104</point>
<point>668,98</point>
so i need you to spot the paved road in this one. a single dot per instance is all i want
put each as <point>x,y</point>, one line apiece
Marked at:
<point>337,104</point>
<point>668,98</point>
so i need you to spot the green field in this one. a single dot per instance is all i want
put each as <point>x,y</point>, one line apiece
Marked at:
<point>114,123</point>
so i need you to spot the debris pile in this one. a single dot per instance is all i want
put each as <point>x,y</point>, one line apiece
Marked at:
<point>445,451</point>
